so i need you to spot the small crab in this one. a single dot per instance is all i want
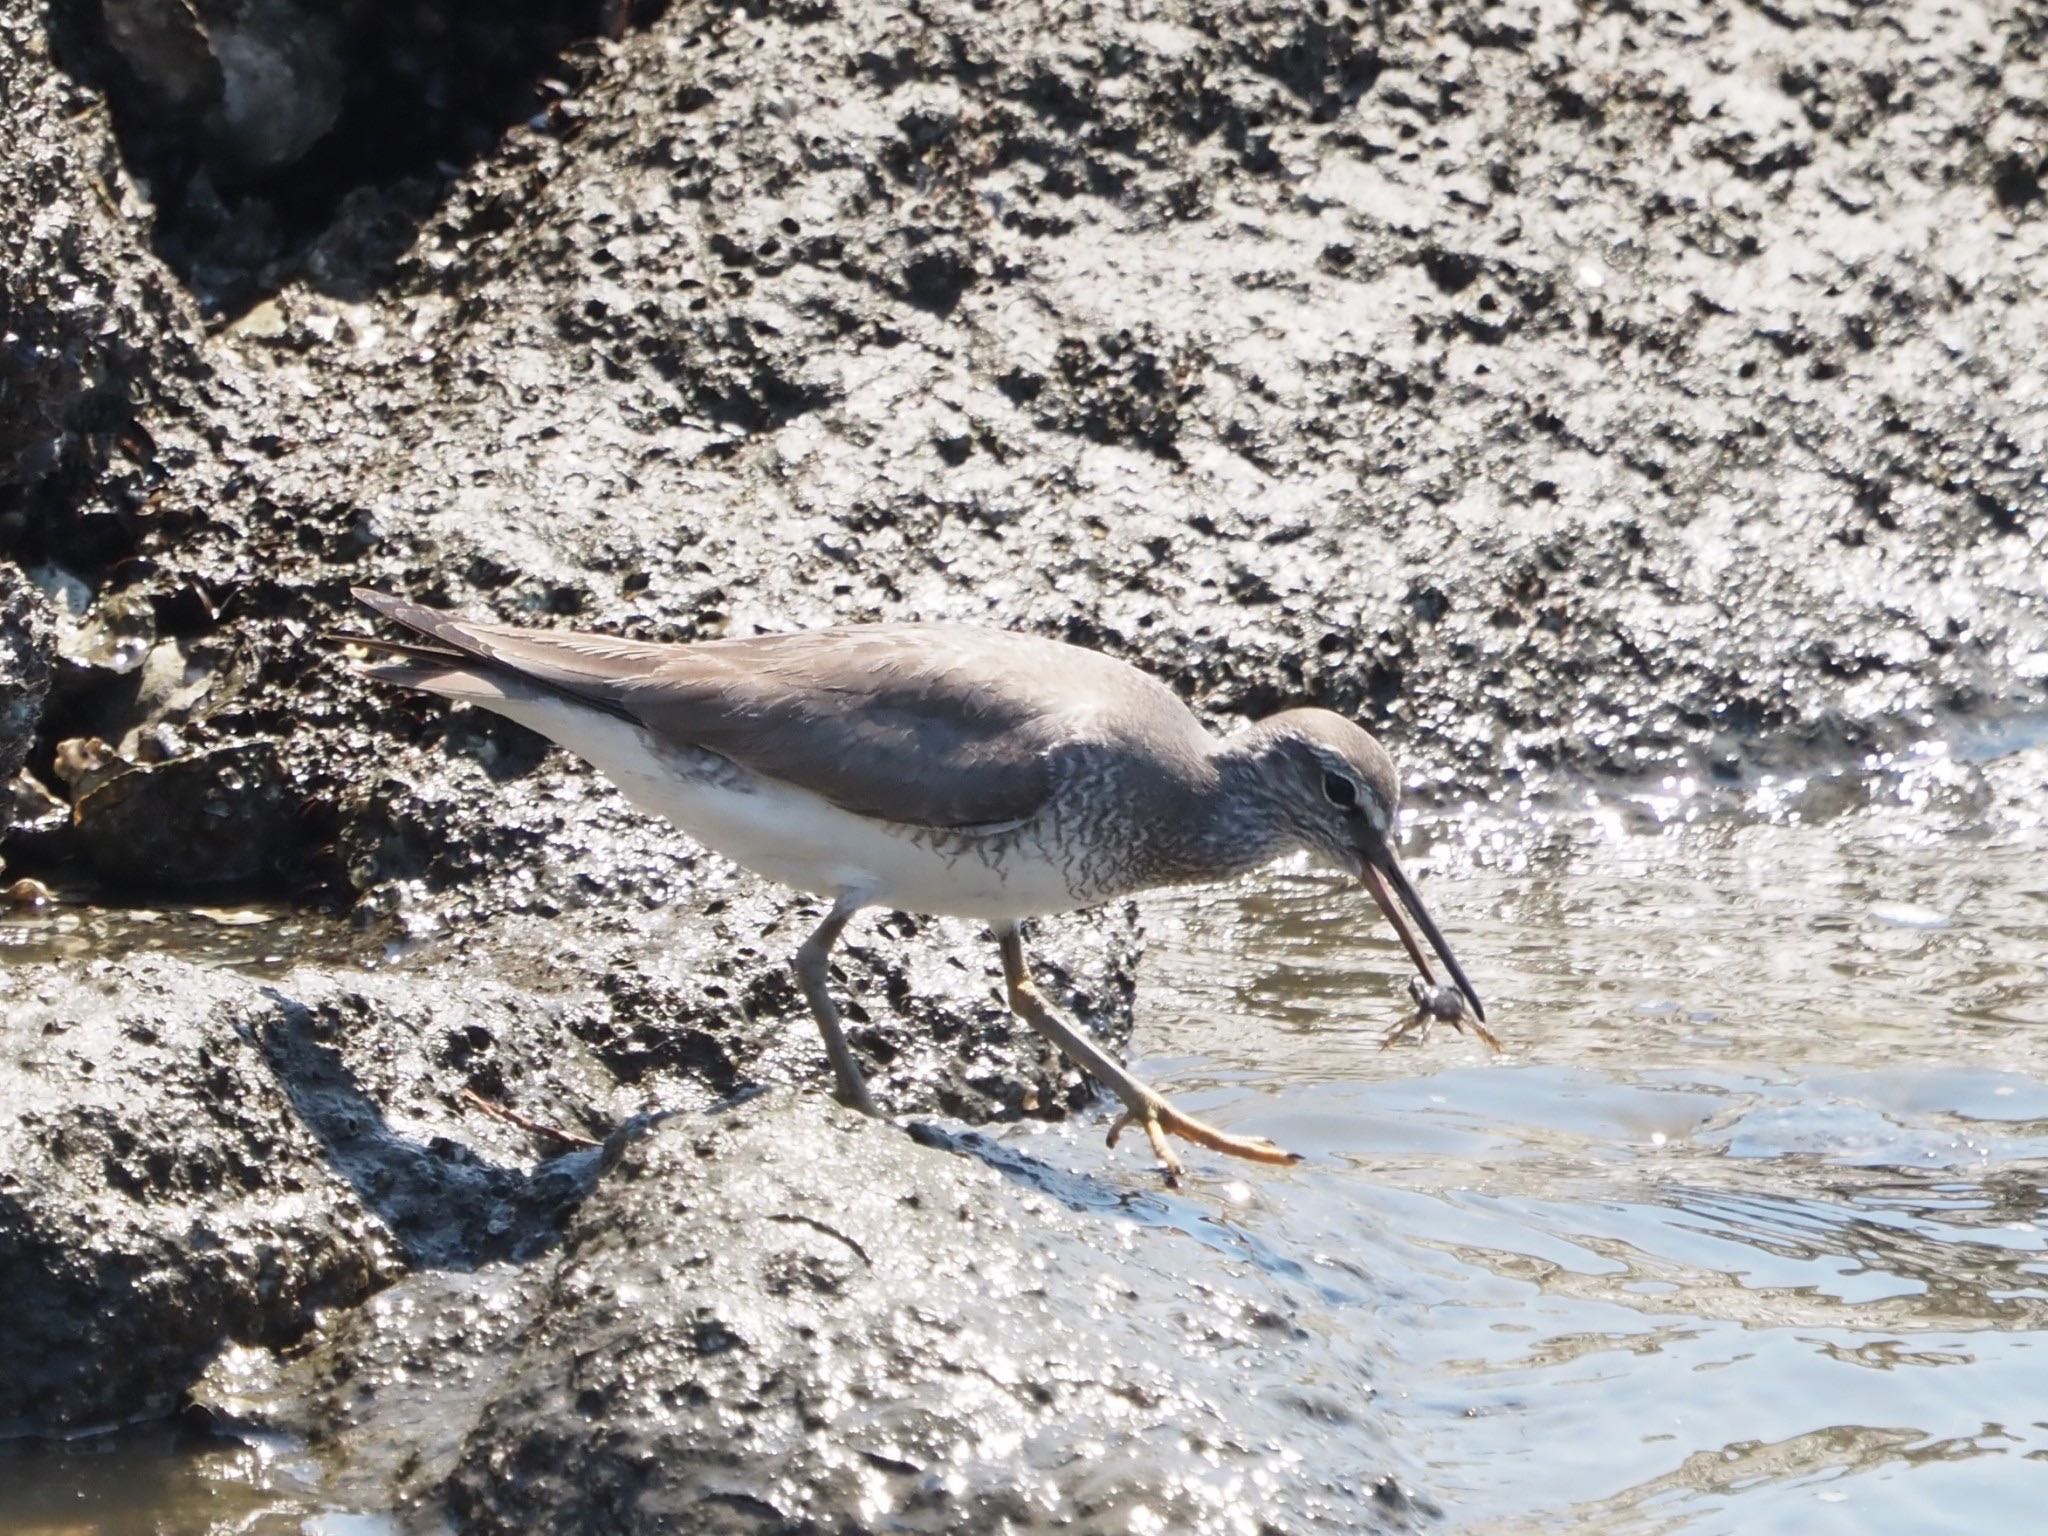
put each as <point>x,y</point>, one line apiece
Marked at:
<point>1434,1003</point>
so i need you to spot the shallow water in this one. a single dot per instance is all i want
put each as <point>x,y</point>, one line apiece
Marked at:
<point>1743,1232</point>
<point>262,940</point>
<point>165,1480</point>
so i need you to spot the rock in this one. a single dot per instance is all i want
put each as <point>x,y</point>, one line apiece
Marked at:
<point>83,763</point>
<point>37,822</point>
<point>24,678</point>
<point>190,1158</point>
<point>390,1431</point>
<point>99,636</point>
<point>24,895</point>
<point>783,1317</point>
<point>1010,340</point>
<point>221,818</point>
<point>263,81</point>
<point>158,1195</point>
<point>950,351</point>
<point>89,322</point>
<point>169,51</point>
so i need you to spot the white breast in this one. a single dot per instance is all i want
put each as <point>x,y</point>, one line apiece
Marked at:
<point>800,839</point>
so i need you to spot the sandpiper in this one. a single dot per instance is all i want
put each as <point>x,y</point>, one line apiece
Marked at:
<point>948,769</point>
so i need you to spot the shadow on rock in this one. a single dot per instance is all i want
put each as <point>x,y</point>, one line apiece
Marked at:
<point>190,1160</point>
<point>450,1207</point>
<point>280,139</point>
<point>157,1195</point>
<point>782,1317</point>
<point>1107,1196</point>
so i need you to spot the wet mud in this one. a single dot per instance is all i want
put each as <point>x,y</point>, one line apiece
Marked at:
<point>1614,398</point>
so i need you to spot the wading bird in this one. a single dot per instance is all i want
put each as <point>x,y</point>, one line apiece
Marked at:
<point>942,768</point>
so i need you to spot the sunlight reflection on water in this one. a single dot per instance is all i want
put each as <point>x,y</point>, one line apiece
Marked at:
<point>1745,1231</point>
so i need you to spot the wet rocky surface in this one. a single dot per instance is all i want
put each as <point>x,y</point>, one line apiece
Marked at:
<point>1625,396</point>
<point>158,1194</point>
<point>24,679</point>
<point>779,1317</point>
<point>196,1157</point>
<point>1560,395</point>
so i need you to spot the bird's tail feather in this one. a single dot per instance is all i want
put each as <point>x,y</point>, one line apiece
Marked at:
<point>470,661</point>
<point>448,680</point>
<point>434,668</point>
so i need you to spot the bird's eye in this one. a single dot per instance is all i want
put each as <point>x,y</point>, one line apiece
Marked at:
<point>1340,790</point>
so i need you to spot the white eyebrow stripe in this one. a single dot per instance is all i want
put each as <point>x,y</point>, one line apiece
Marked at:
<point>1380,816</point>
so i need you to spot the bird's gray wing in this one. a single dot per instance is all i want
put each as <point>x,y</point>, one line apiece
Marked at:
<point>919,724</point>
<point>933,725</point>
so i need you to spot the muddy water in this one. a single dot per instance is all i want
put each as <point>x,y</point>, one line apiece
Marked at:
<point>169,1481</point>
<point>1744,1232</point>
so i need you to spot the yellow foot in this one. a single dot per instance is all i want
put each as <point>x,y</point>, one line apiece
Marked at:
<point>1160,1119</point>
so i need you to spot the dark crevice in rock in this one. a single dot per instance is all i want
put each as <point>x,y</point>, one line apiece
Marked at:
<point>279,140</point>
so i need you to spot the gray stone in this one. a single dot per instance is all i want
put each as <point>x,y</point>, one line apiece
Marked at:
<point>24,677</point>
<point>783,1318</point>
<point>158,1196</point>
<point>261,81</point>
<point>192,1158</point>
<point>225,817</point>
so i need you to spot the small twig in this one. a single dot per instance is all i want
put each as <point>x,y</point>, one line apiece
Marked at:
<point>536,1127</point>
<point>792,1218</point>
<point>107,199</point>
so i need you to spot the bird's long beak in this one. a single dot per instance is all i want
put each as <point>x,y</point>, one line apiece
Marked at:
<point>1381,870</point>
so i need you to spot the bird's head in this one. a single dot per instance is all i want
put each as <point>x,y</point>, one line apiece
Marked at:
<point>1335,790</point>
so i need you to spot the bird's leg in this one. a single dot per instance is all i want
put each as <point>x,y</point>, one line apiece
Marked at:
<point>1142,1105</point>
<point>813,976</point>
